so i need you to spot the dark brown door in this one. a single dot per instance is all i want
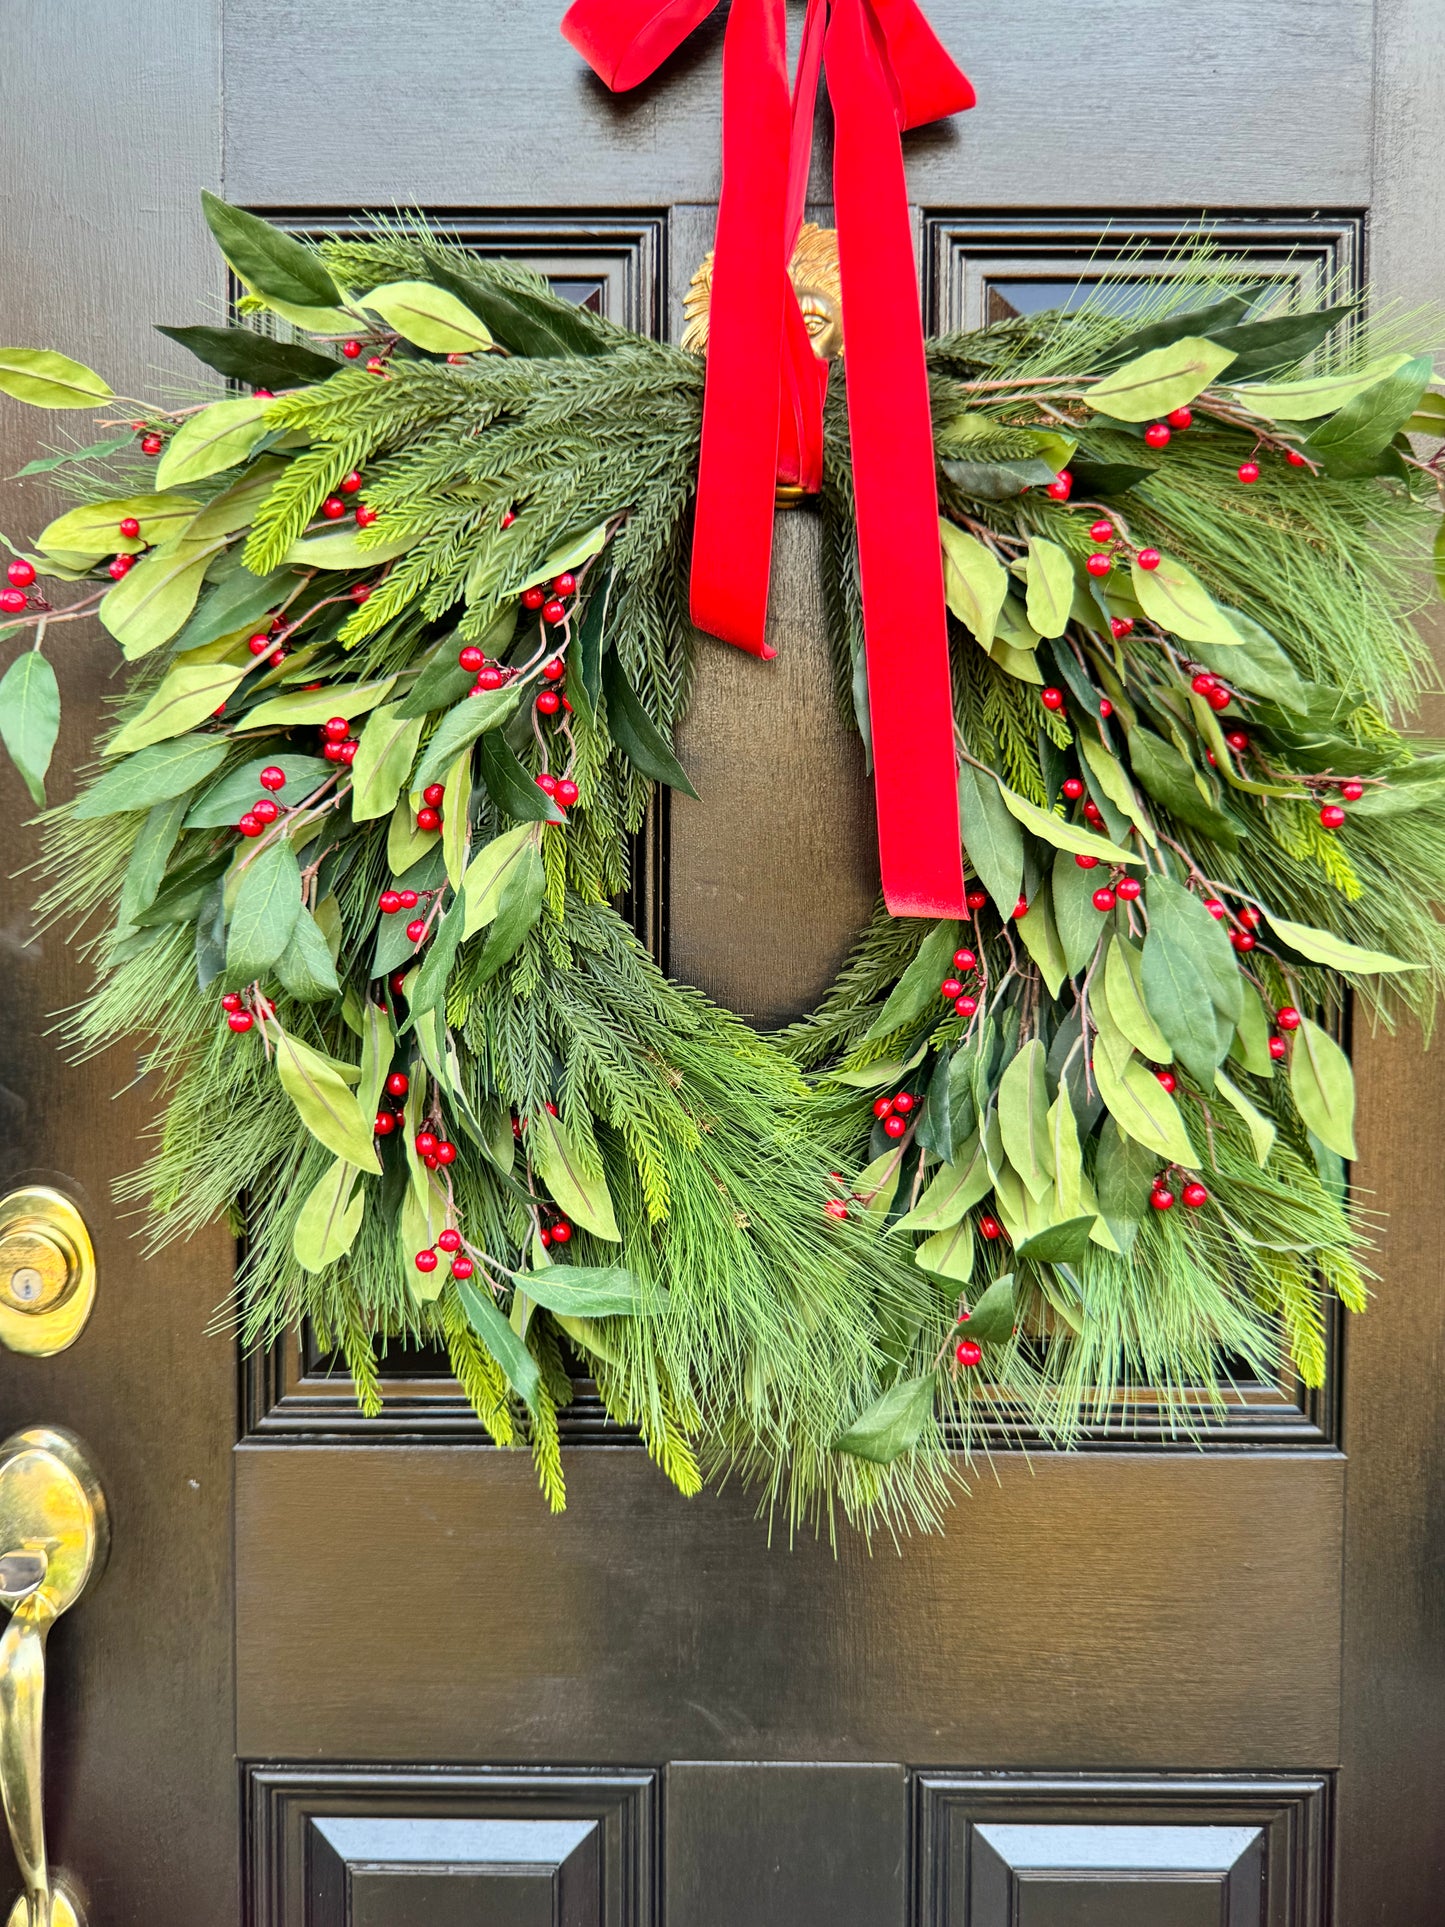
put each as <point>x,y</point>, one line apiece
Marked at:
<point>351,1671</point>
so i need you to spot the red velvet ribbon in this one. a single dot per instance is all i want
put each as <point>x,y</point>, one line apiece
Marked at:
<point>763,407</point>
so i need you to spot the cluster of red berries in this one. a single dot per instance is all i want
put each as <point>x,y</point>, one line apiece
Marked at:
<point>489,674</point>
<point>20,574</point>
<point>265,809</point>
<point>390,901</point>
<point>151,443</point>
<point>1288,1019</point>
<point>1162,1198</point>
<point>434,1150</point>
<point>893,1112</point>
<point>963,1001</point>
<point>271,645</point>
<point>562,790</point>
<point>449,1241</point>
<point>396,1087</point>
<point>1332,817</point>
<point>968,1351</point>
<point>1211,689</point>
<point>336,506</point>
<point>429,816</point>
<point>553,605</point>
<point>557,1231</point>
<point>338,745</point>
<point>238,1018</point>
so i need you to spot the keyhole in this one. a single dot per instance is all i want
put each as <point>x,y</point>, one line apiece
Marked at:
<point>26,1285</point>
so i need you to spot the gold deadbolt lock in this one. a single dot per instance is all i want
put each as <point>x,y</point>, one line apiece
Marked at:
<point>47,1272</point>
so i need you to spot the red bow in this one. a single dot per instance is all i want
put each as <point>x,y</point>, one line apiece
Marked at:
<point>886,71</point>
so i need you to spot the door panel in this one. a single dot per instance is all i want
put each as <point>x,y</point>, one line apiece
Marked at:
<point>437,1701</point>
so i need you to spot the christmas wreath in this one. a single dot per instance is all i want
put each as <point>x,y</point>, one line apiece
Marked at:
<point>405,634</point>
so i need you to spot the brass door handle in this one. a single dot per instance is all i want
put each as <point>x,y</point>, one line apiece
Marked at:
<point>54,1537</point>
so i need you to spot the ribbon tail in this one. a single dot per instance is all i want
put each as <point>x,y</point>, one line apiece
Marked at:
<point>909,686</point>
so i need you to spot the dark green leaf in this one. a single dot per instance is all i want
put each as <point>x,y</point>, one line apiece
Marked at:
<point>1176,993</point>
<point>1262,347</point>
<point>636,734</point>
<point>1258,664</point>
<point>1365,426</point>
<point>268,902</point>
<point>1163,772</point>
<point>1176,914</point>
<point>510,786</point>
<point>1107,478</point>
<point>429,985</point>
<point>394,948</point>
<point>152,775</point>
<point>254,358</point>
<point>991,1320</point>
<point>1226,313</point>
<point>532,323</point>
<point>992,839</point>
<point>237,603</point>
<point>304,966</point>
<point>441,683</point>
<point>1123,1176</point>
<point>276,265</point>
<point>997,481</point>
<point>95,452</point>
<point>220,806</point>
<point>146,870</point>
<point>518,910</point>
<point>210,914</point>
<point>1079,924</point>
<point>591,1291</point>
<point>892,1424</point>
<point>590,643</point>
<point>500,1340</point>
<point>30,718</point>
<point>471,718</point>
<point>935,1122</point>
<point>1064,1243</point>
<point>917,989</point>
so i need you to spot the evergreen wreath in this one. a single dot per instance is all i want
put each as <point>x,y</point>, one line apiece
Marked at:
<point>408,641</point>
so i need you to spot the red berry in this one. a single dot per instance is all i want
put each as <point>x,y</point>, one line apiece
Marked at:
<point>1288,1018</point>
<point>457,361</point>
<point>1121,626</point>
<point>1194,1194</point>
<point>1149,558</point>
<point>462,1266</point>
<point>964,960</point>
<point>129,527</point>
<point>397,982</point>
<point>260,645</point>
<point>152,444</point>
<point>332,752</point>
<point>333,508</point>
<point>231,1000</point>
<point>950,988</point>
<point>1061,486</point>
<point>1352,792</point>
<point>989,1226</point>
<point>491,678</point>
<point>365,515</point>
<point>428,820</point>
<point>375,365</point>
<point>1020,909</point>
<point>12,601</point>
<point>1101,531</point>
<point>1203,684</point>
<point>1243,941</point>
<point>389,902</point>
<point>1087,862</point>
<point>1248,472</point>
<point>425,1143</point>
<point>545,1238</point>
<point>1052,698</point>
<point>1278,1048</point>
<point>549,702</point>
<point>1092,812</point>
<point>1295,459</point>
<point>409,899</point>
<point>835,1208</point>
<point>895,1126</point>
<point>965,1005</point>
<point>1167,1081</point>
<point>509,518</point>
<point>976,899</point>
<point>533,598</point>
<point>336,729</point>
<point>566,792</point>
<point>240,1020</point>
<point>349,484</point>
<point>561,1232</point>
<point>351,349</point>
<point>1128,888</point>
<point>1098,564</point>
<point>266,810</point>
<point>1104,899</point>
<point>398,1083</point>
<point>433,794</point>
<point>1237,740</point>
<point>565,584</point>
<point>968,1351</point>
<point>360,592</point>
<point>1250,917</point>
<point>426,1261</point>
<point>1220,698</point>
<point>1179,417</point>
<point>904,1102</point>
<point>1214,907</point>
<point>1161,1197</point>
<point>471,659</point>
<point>416,929</point>
<point>554,669</point>
<point>1106,708</point>
<point>272,778</point>
<point>250,824</point>
<point>882,1106</point>
<point>1157,435</point>
<point>446,1151</point>
<point>120,567</point>
<point>1332,816</point>
<point>450,1239</point>
<point>385,1124</point>
<point>21,573</point>
<point>346,752</point>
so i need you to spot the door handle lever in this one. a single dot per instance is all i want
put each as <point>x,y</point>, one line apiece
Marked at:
<point>54,1537</point>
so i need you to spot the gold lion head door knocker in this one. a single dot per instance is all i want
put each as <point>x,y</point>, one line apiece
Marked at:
<point>819,288</point>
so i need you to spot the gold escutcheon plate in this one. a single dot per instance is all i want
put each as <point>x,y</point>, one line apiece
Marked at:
<point>47,1272</point>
